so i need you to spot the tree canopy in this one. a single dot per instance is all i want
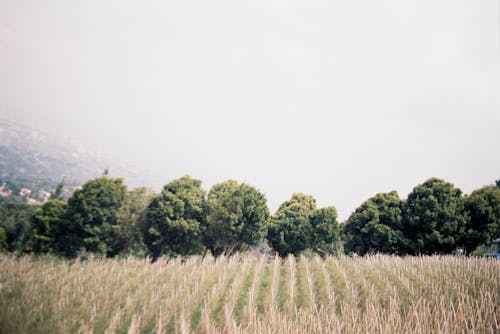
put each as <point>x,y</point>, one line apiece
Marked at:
<point>103,218</point>
<point>3,240</point>
<point>483,224</point>
<point>47,223</point>
<point>434,217</point>
<point>376,226</point>
<point>174,221</point>
<point>15,220</point>
<point>92,217</point>
<point>290,231</point>
<point>130,218</point>
<point>325,231</point>
<point>237,217</point>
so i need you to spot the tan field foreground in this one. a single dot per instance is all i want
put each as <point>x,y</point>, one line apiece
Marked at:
<point>245,293</point>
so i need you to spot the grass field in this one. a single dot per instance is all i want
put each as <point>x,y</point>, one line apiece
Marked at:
<point>251,294</point>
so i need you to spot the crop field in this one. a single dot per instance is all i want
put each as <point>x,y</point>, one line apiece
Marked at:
<point>251,294</point>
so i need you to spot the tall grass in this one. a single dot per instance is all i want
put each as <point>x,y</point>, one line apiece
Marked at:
<point>248,294</point>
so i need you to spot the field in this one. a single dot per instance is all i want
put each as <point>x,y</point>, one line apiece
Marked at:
<point>245,293</point>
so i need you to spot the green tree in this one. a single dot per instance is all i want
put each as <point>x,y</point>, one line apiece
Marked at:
<point>91,223</point>
<point>434,217</point>
<point>376,226</point>
<point>290,230</point>
<point>58,192</point>
<point>326,231</point>
<point>3,240</point>
<point>130,218</point>
<point>47,223</point>
<point>237,217</point>
<point>15,219</point>
<point>483,224</point>
<point>174,220</point>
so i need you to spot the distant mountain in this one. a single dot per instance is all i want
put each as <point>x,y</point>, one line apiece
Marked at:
<point>32,154</point>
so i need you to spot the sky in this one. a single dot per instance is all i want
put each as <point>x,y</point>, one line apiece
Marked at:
<point>337,99</point>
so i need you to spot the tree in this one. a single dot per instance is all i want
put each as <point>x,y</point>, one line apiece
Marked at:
<point>15,219</point>
<point>237,217</point>
<point>174,220</point>
<point>47,223</point>
<point>3,240</point>
<point>91,223</point>
<point>58,192</point>
<point>376,226</point>
<point>290,231</point>
<point>483,224</point>
<point>307,201</point>
<point>434,217</point>
<point>326,231</point>
<point>130,218</point>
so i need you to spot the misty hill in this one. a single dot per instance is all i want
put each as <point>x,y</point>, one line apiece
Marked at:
<point>29,154</point>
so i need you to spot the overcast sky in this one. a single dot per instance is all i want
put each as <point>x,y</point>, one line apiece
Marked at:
<point>337,99</point>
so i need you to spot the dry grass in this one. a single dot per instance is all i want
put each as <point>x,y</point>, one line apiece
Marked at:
<point>247,294</point>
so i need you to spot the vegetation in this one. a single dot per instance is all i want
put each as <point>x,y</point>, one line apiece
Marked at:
<point>104,218</point>
<point>243,293</point>
<point>130,218</point>
<point>91,223</point>
<point>14,185</point>
<point>435,217</point>
<point>299,292</point>
<point>3,240</point>
<point>237,217</point>
<point>326,231</point>
<point>174,219</point>
<point>291,231</point>
<point>15,220</point>
<point>299,225</point>
<point>47,224</point>
<point>483,225</point>
<point>377,226</point>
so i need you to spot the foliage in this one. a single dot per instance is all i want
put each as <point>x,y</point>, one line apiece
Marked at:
<point>174,220</point>
<point>3,240</point>
<point>92,223</point>
<point>376,226</point>
<point>483,225</point>
<point>434,217</point>
<point>326,231</point>
<point>130,218</point>
<point>15,184</point>
<point>47,224</point>
<point>237,217</point>
<point>58,191</point>
<point>307,201</point>
<point>290,231</point>
<point>103,219</point>
<point>15,219</point>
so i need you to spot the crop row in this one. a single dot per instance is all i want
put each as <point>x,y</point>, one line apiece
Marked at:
<point>246,293</point>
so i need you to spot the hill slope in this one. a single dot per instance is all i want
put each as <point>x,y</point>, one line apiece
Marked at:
<point>30,156</point>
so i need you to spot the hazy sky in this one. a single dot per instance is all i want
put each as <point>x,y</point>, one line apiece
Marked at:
<point>337,99</point>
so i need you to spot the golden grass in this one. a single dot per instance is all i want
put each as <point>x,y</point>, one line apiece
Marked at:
<point>248,294</point>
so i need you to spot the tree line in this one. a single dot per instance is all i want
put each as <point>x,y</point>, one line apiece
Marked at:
<point>107,219</point>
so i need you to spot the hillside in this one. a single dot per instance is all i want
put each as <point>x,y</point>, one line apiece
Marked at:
<point>36,159</point>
